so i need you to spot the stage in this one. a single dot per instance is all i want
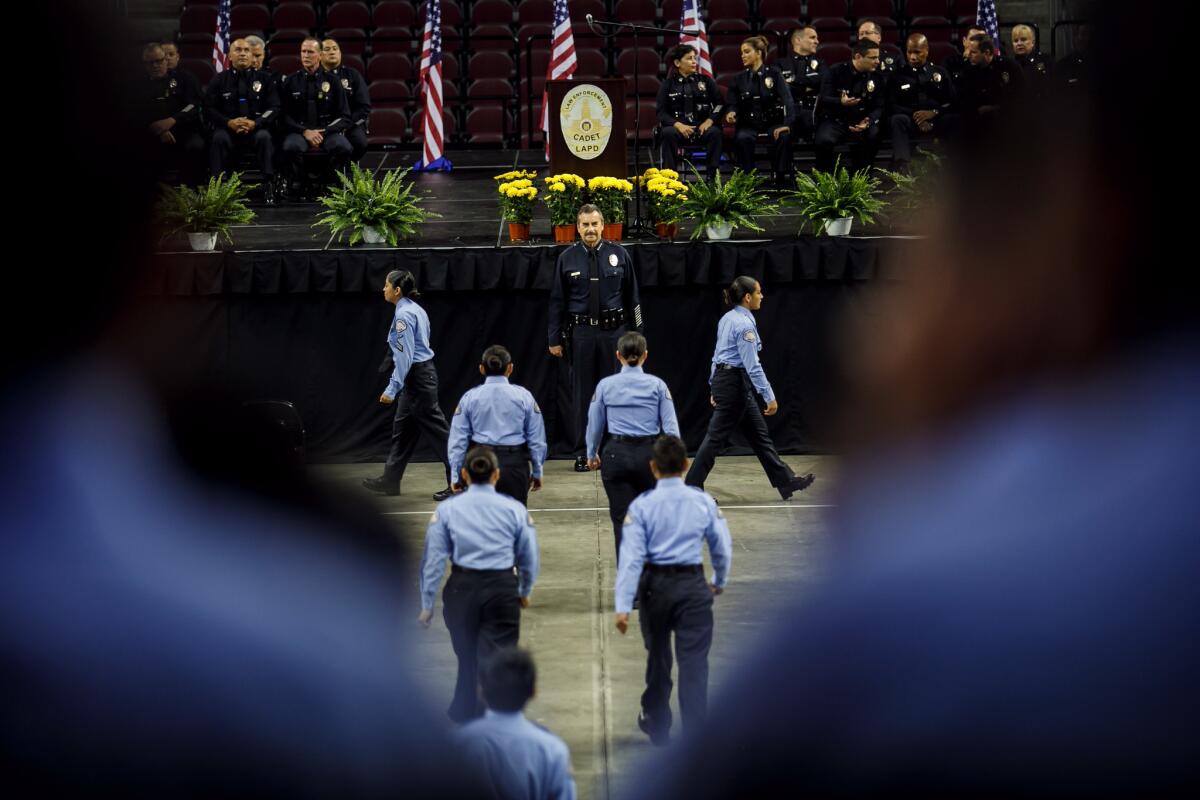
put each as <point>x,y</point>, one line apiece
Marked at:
<point>286,314</point>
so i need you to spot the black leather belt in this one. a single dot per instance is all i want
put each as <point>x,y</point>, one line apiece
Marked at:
<point>617,437</point>
<point>610,319</point>
<point>502,448</point>
<point>469,571</point>
<point>727,366</point>
<point>674,568</point>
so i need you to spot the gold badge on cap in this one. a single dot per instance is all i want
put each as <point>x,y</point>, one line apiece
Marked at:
<point>256,86</point>
<point>612,259</point>
<point>345,83</point>
<point>870,86</point>
<point>325,86</point>
<point>768,82</point>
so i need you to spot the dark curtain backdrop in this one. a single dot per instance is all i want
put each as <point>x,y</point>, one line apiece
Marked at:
<point>309,327</point>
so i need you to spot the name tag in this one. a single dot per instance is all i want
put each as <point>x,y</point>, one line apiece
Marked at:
<point>906,86</point>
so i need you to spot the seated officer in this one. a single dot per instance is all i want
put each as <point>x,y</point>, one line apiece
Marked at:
<point>803,72</point>
<point>316,112</point>
<point>922,101</point>
<point>957,63</point>
<point>759,102</point>
<point>242,104</point>
<point>172,118</point>
<point>1035,67</point>
<point>355,87</point>
<point>518,758</point>
<point>688,106</point>
<point>171,51</point>
<point>870,30</point>
<point>851,106</point>
<point>988,83</point>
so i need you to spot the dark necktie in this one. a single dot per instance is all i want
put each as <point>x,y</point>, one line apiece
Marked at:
<point>594,285</point>
<point>689,101</point>
<point>311,110</point>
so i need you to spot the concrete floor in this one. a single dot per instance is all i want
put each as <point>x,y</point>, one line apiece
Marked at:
<point>590,677</point>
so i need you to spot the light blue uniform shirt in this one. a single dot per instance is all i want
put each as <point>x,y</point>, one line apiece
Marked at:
<point>499,413</point>
<point>630,403</point>
<point>520,758</point>
<point>669,525</point>
<point>479,529</point>
<point>738,344</point>
<point>409,340</point>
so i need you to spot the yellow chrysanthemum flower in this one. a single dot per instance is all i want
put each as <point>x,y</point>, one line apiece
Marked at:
<point>669,173</point>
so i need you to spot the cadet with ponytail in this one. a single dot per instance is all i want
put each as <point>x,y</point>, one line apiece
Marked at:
<point>492,545</point>
<point>412,388</point>
<point>506,418</point>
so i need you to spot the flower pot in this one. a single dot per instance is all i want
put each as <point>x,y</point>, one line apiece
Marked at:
<point>373,235</point>
<point>203,241</point>
<point>518,231</point>
<point>613,232</point>
<point>666,230</point>
<point>719,231</point>
<point>838,227</point>
<point>564,233</point>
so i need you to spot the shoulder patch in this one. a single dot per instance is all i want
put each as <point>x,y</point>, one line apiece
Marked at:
<point>748,336</point>
<point>529,519</point>
<point>668,391</point>
<point>536,408</point>
<point>457,410</point>
<point>433,517</point>
<point>401,327</point>
<point>628,519</point>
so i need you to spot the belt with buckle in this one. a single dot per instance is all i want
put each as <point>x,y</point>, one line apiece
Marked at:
<point>469,571</point>
<point>676,568</point>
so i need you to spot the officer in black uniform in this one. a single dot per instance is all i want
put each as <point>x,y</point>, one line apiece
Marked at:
<point>316,112</point>
<point>193,87</point>
<point>987,85</point>
<point>242,104</point>
<point>171,116</point>
<point>1036,69</point>
<point>759,102</point>
<point>1070,73</point>
<point>593,302</point>
<point>852,97</point>
<point>922,101</point>
<point>355,86</point>
<point>803,72</point>
<point>957,64</point>
<point>689,107</point>
<point>870,30</point>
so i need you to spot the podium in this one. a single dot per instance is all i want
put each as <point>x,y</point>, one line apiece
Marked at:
<point>587,127</point>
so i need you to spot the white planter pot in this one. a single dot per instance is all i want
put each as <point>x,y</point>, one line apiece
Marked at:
<point>718,231</point>
<point>838,227</point>
<point>203,241</point>
<point>373,236</point>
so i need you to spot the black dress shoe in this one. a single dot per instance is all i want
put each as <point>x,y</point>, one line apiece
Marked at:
<point>581,465</point>
<point>796,484</point>
<point>382,486</point>
<point>658,737</point>
<point>443,494</point>
<point>269,192</point>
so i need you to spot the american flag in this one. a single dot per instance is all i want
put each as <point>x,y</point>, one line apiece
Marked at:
<point>985,17</point>
<point>220,53</point>
<point>562,62</point>
<point>690,21</point>
<point>430,79</point>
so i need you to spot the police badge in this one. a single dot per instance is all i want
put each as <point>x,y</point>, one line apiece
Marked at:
<point>701,87</point>
<point>870,86</point>
<point>1004,77</point>
<point>346,84</point>
<point>1041,67</point>
<point>256,86</point>
<point>325,86</point>
<point>612,259</point>
<point>937,77</point>
<point>812,64</point>
<point>768,82</point>
<point>174,83</point>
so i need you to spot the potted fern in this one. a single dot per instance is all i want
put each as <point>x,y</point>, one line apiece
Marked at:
<point>913,191</point>
<point>835,199</point>
<point>372,210</point>
<point>206,213</point>
<point>720,207</point>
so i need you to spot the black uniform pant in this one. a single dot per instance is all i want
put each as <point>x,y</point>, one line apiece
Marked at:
<point>678,602</point>
<point>357,137</point>
<point>226,145</point>
<point>593,356</point>
<point>780,150</point>
<point>417,410</point>
<point>672,140</point>
<point>186,155</point>
<point>625,471</point>
<point>515,471</point>
<point>831,132</point>
<point>904,130</point>
<point>482,611</point>
<point>737,407</point>
<point>804,127</point>
<point>335,144</point>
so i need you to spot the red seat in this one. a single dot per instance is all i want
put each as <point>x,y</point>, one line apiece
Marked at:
<point>833,29</point>
<point>355,62</point>
<point>491,89</point>
<point>394,14</point>
<point>386,126</point>
<point>641,12</point>
<point>348,14</point>
<point>489,124</point>
<point>964,8</point>
<point>284,64</point>
<point>873,8</point>
<point>197,23</point>
<point>647,62</point>
<point>256,17</point>
<point>288,41</point>
<point>739,26</point>
<point>936,29</point>
<point>294,16</point>
<point>834,53</point>
<point>648,121</point>
<point>389,93</point>
<point>927,8</point>
<point>393,40</point>
<point>490,65</point>
<point>492,12</point>
<point>449,126</point>
<point>392,66</point>
<point>672,11</point>
<point>720,10</point>
<point>822,8</point>
<point>940,51</point>
<point>452,15</point>
<point>590,64</point>
<point>492,38</point>
<point>201,69</point>
<point>350,40</point>
<point>727,60</point>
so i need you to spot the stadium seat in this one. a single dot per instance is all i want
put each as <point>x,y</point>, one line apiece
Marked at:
<point>284,64</point>
<point>487,124</point>
<point>648,62</point>
<point>492,38</point>
<point>727,60</point>
<point>197,23</point>
<point>834,53</point>
<point>386,127</point>
<point>927,8</point>
<point>350,40</point>
<point>391,14</point>
<point>724,10</point>
<point>591,63</point>
<point>389,94</point>
<point>819,8</point>
<point>490,65</point>
<point>254,17</point>
<point>354,62</point>
<point>936,29</point>
<point>293,16</point>
<point>201,69</point>
<point>833,29</point>
<point>641,12</point>
<point>391,66</point>
<point>492,12</point>
<point>873,8</point>
<point>348,14</point>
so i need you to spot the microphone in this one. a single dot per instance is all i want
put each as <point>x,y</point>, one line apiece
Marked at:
<point>589,19</point>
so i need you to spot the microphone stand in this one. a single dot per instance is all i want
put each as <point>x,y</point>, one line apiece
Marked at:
<point>638,224</point>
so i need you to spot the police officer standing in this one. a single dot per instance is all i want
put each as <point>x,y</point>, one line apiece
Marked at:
<point>1036,69</point>
<point>988,84</point>
<point>735,379</point>
<point>412,387</point>
<point>661,563</point>
<point>593,301</point>
<point>922,101</point>
<point>172,118</point>
<point>852,97</point>
<point>689,106</point>
<point>359,98</point>
<point>536,764</point>
<point>505,418</point>
<point>629,410</point>
<point>315,112</point>
<point>803,72</point>
<point>759,101</point>
<point>483,534</point>
<point>242,105</point>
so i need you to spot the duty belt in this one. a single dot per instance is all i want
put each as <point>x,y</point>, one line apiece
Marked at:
<point>610,318</point>
<point>469,571</point>
<point>674,568</point>
<point>617,437</point>
<point>503,448</point>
